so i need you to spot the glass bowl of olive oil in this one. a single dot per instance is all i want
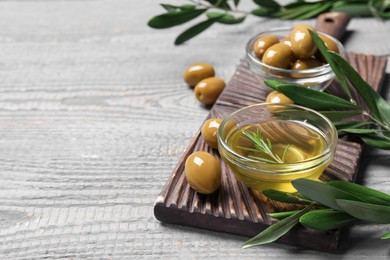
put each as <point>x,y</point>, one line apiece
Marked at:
<point>268,145</point>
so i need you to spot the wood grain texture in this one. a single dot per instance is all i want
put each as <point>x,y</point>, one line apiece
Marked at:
<point>94,117</point>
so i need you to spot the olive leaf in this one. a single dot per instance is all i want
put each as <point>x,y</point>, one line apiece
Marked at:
<point>225,18</point>
<point>326,219</point>
<point>326,54</point>
<point>334,116</point>
<point>321,192</point>
<point>353,8</point>
<point>271,4</point>
<point>365,211</point>
<point>195,30</point>
<point>262,11</point>
<point>377,105</point>
<point>219,3</point>
<point>177,17</point>
<point>377,141</point>
<point>282,215</point>
<point>174,8</point>
<point>285,197</point>
<point>277,230</point>
<point>311,98</point>
<point>316,10</point>
<point>358,131</point>
<point>365,194</point>
<point>386,235</point>
<point>348,124</point>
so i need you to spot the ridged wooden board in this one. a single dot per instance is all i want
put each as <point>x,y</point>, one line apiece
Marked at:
<point>236,209</point>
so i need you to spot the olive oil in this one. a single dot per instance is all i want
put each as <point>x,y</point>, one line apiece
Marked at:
<point>297,141</point>
<point>299,145</point>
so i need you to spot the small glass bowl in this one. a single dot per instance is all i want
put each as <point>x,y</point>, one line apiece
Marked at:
<point>317,78</point>
<point>260,175</point>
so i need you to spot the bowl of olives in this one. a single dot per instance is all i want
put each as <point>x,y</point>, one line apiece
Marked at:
<point>268,145</point>
<point>291,56</point>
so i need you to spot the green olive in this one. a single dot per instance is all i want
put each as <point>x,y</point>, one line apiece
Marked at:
<point>203,172</point>
<point>209,131</point>
<point>304,64</point>
<point>278,55</point>
<point>197,72</point>
<point>208,90</point>
<point>329,43</point>
<point>263,43</point>
<point>302,43</point>
<point>286,40</point>
<point>275,97</point>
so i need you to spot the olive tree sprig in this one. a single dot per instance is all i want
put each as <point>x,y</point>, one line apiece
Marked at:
<point>374,129</point>
<point>227,12</point>
<point>331,205</point>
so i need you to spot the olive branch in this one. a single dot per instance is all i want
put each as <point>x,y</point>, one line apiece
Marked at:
<point>227,12</point>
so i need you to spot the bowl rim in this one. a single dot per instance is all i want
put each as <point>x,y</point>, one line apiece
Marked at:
<point>332,142</point>
<point>252,57</point>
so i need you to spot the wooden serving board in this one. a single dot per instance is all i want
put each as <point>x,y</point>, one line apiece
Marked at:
<point>236,209</point>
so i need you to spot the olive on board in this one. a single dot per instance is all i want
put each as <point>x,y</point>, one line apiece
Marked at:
<point>209,131</point>
<point>278,55</point>
<point>208,90</point>
<point>276,97</point>
<point>263,43</point>
<point>304,64</point>
<point>302,44</point>
<point>197,72</point>
<point>203,172</point>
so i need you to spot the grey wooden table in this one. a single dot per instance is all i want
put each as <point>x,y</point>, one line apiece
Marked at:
<point>94,117</point>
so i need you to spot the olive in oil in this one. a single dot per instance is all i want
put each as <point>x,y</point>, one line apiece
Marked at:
<point>297,143</point>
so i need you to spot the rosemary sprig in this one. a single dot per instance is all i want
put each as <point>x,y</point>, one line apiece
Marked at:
<point>227,12</point>
<point>262,145</point>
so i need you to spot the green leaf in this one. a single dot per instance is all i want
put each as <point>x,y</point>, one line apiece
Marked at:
<point>377,141</point>
<point>385,235</point>
<point>311,98</point>
<point>350,124</point>
<point>171,19</point>
<point>262,12</point>
<point>365,211</point>
<point>219,3</point>
<point>316,11</point>
<point>174,8</point>
<point>282,196</point>
<point>236,2</point>
<point>326,54</point>
<point>370,96</point>
<point>276,230</point>
<point>293,12</point>
<point>271,4</point>
<point>326,219</point>
<point>351,8</point>
<point>225,18</point>
<point>195,30</point>
<point>282,215</point>
<point>358,131</point>
<point>339,115</point>
<point>364,193</point>
<point>321,192</point>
